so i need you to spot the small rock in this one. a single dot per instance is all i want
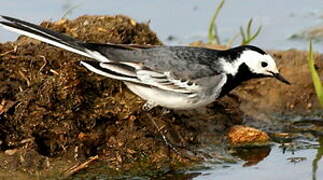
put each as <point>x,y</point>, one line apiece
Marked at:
<point>241,136</point>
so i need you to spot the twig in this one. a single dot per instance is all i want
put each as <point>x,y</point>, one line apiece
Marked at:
<point>28,140</point>
<point>54,72</point>
<point>25,78</point>
<point>79,167</point>
<point>8,52</point>
<point>45,63</point>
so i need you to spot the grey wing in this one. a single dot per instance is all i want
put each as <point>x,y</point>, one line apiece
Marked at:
<point>212,85</point>
<point>186,70</point>
<point>136,73</point>
<point>182,62</point>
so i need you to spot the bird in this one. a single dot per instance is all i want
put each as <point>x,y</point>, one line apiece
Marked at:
<point>174,77</point>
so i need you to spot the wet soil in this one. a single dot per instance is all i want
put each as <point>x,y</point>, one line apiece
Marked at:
<point>55,114</point>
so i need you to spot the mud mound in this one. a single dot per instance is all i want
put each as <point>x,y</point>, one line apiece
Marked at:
<point>52,108</point>
<point>102,29</point>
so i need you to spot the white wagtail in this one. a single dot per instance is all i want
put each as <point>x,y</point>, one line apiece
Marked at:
<point>175,77</point>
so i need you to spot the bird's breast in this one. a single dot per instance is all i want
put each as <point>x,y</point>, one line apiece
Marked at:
<point>169,99</point>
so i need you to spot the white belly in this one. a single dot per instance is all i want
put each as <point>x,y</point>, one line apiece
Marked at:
<point>168,99</point>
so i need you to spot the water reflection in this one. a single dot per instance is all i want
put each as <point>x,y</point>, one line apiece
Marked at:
<point>317,158</point>
<point>252,156</point>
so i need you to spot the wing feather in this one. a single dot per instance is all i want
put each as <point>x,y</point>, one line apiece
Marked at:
<point>126,72</point>
<point>164,80</point>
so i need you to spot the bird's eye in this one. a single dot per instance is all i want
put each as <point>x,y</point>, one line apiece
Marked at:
<point>264,64</point>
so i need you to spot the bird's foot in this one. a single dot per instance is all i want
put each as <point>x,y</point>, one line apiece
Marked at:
<point>165,111</point>
<point>149,105</point>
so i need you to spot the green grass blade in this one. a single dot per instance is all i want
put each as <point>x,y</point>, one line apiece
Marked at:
<point>230,41</point>
<point>254,36</point>
<point>258,31</point>
<point>69,11</point>
<point>315,76</point>
<point>249,28</point>
<point>243,36</point>
<point>213,36</point>
<point>247,36</point>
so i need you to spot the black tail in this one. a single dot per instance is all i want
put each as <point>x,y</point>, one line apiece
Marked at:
<point>51,37</point>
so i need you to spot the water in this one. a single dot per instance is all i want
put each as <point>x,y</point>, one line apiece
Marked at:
<point>187,20</point>
<point>297,165</point>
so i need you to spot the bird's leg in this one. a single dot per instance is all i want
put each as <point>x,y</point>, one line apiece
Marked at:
<point>149,105</point>
<point>165,111</point>
<point>160,130</point>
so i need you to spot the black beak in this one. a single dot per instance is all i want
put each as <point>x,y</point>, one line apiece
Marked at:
<point>280,78</point>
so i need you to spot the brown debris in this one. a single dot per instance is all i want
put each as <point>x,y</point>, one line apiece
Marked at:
<point>67,112</point>
<point>78,167</point>
<point>113,29</point>
<point>240,136</point>
<point>5,105</point>
<point>10,51</point>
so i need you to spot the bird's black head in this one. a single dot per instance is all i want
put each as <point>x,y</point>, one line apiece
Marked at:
<point>246,62</point>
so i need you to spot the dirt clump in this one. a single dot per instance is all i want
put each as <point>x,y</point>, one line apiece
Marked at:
<point>52,109</point>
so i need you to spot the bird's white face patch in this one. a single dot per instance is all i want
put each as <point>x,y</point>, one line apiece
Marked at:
<point>230,67</point>
<point>259,63</point>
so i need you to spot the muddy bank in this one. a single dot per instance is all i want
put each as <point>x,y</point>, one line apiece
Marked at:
<point>55,114</point>
<point>54,109</point>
